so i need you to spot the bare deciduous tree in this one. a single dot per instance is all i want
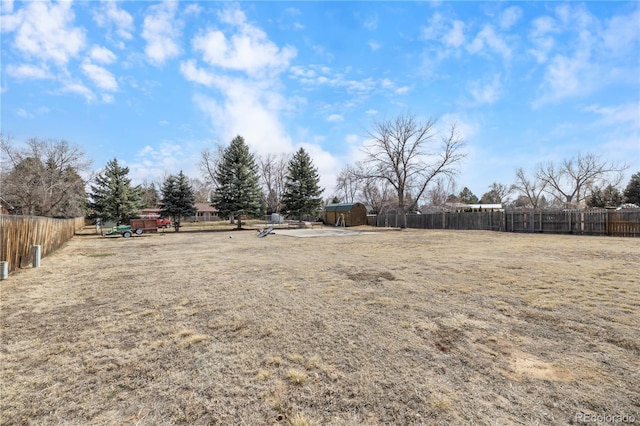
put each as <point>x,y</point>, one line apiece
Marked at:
<point>406,154</point>
<point>376,194</point>
<point>439,191</point>
<point>497,194</point>
<point>44,178</point>
<point>209,161</point>
<point>531,188</point>
<point>568,181</point>
<point>348,184</point>
<point>273,173</point>
<point>200,190</point>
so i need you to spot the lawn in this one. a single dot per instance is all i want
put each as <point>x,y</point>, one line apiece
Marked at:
<point>389,327</point>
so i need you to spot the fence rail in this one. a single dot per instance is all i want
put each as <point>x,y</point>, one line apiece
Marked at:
<point>619,223</point>
<point>18,234</point>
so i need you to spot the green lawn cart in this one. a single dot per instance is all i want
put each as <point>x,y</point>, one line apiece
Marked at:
<point>136,227</point>
<point>125,230</point>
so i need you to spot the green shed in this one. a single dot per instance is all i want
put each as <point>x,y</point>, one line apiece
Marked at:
<point>345,214</point>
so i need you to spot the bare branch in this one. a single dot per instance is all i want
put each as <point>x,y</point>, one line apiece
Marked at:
<point>401,153</point>
<point>569,181</point>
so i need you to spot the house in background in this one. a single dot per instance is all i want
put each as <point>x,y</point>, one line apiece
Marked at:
<point>204,213</point>
<point>462,207</point>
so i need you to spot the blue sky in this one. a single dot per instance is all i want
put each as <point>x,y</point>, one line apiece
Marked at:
<point>154,83</point>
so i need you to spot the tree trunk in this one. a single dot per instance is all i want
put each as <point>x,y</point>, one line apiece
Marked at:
<point>403,218</point>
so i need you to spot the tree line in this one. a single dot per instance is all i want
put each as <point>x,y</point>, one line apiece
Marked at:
<point>407,165</point>
<point>45,179</point>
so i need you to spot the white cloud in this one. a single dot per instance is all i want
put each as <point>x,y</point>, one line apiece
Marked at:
<point>27,71</point>
<point>542,44</point>
<point>192,9</point>
<point>487,93</point>
<point>44,31</point>
<point>246,102</point>
<point>247,50</point>
<point>371,23</point>
<point>435,28</point>
<point>78,88</point>
<point>110,16</point>
<point>487,38</point>
<point>542,26</point>
<point>288,21</point>
<point>107,98</point>
<point>6,6</point>
<point>617,114</point>
<point>565,77</point>
<point>153,163</point>
<point>300,72</point>
<point>402,90</point>
<point>352,139</point>
<point>102,55</point>
<point>510,16</point>
<point>161,29</point>
<point>316,75</point>
<point>371,111</point>
<point>24,114</point>
<point>620,34</point>
<point>192,73</point>
<point>100,76</point>
<point>586,55</point>
<point>374,45</point>
<point>333,118</point>
<point>455,37</point>
<point>466,128</point>
<point>386,83</point>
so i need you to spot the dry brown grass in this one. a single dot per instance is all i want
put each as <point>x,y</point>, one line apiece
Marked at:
<point>398,327</point>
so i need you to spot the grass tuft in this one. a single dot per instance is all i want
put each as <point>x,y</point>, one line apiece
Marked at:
<point>313,362</point>
<point>276,361</point>
<point>300,420</point>
<point>296,377</point>
<point>297,358</point>
<point>264,375</point>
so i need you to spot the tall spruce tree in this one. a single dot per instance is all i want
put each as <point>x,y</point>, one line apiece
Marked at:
<point>302,193</point>
<point>237,182</point>
<point>178,199</point>
<point>632,191</point>
<point>113,197</point>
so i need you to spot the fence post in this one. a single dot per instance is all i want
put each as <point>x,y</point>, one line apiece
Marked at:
<point>4,270</point>
<point>37,254</point>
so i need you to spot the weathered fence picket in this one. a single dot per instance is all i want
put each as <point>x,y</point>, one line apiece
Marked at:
<point>18,234</point>
<point>584,222</point>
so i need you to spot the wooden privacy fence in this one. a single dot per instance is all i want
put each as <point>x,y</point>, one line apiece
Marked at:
<point>619,223</point>
<point>18,234</point>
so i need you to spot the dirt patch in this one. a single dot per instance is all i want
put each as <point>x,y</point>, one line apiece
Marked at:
<point>411,327</point>
<point>527,365</point>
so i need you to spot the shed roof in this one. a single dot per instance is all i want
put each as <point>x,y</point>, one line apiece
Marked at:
<point>205,208</point>
<point>341,207</point>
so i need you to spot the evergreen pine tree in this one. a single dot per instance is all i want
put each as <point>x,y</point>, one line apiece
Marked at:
<point>467,197</point>
<point>178,199</point>
<point>237,182</point>
<point>113,197</point>
<point>632,191</point>
<point>302,193</point>
<point>609,196</point>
